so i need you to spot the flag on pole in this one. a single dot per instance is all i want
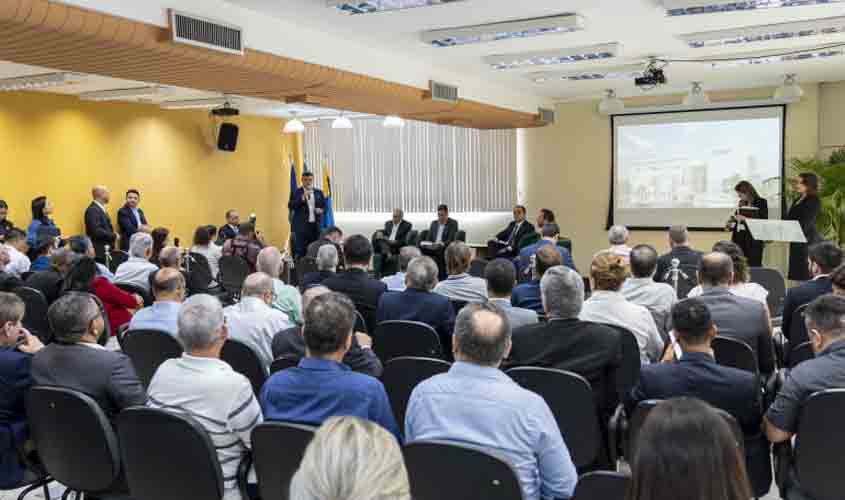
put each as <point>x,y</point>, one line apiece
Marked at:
<point>294,185</point>
<point>328,215</point>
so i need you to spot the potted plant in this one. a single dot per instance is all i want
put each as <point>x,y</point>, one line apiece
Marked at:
<point>831,220</point>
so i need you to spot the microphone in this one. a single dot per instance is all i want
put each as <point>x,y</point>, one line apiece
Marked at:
<point>176,242</point>
<point>252,217</point>
<point>675,263</point>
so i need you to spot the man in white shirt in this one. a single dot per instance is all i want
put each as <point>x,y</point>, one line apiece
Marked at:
<point>506,243</point>
<point>137,269</point>
<point>16,247</point>
<point>641,289</point>
<point>253,320</point>
<point>169,291</point>
<point>396,282</point>
<point>459,285</point>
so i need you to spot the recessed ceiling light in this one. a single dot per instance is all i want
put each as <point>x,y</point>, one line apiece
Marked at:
<point>627,71</point>
<point>342,122</point>
<point>125,94</point>
<point>370,6</point>
<point>523,28</point>
<point>35,82</point>
<point>696,96</point>
<point>294,125</point>
<point>393,121</point>
<point>197,103</point>
<point>790,90</point>
<point>550,57</point>
<point>803,56</point>
<point>693,7</point>
<point>753,34</point>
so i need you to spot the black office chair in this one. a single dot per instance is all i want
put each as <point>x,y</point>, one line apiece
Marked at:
<point>148,349</point>
<point>200,278</point>
<point>819,444</point>
<point>477,266</point>
<point>283,363</point>
<point>411,237</point>
<point>245,361</point>
<point>233,272</point>
<point>457,305</point>
<point>35,316</point>
<point>772,280</point>
<point>422,236</point>
<point>797,333</point>
<point>602,485</point>
<point>461,236</point>
<point>629,373</point>
<point>135,289</point>
<point>395,339</point>
<point>116,258</point>
<point>570,398</point>
<point>735,354</point>
<point>360,322</point>
<point>402,375</point>
<point>448,471</point>
<point>75,440</point>
<point>277,450</point>
<point>800,353</point>
<point>168,456</point>
<point>304,266</point>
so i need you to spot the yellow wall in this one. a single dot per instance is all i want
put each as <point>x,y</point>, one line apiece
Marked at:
<point>60,147</point>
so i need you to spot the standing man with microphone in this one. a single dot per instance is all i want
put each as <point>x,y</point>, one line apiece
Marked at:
<point>307,205</point>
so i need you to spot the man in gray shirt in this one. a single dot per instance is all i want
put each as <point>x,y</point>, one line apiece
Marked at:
<point>641,289</point>
<point>460,285</point>
<point>137,269</point>
<point>501,278</point>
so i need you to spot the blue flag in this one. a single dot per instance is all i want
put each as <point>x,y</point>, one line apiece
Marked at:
<point>328,215</point>
<point>294,185</point>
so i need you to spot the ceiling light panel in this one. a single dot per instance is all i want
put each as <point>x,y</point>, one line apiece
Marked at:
<point>624,72</point>
<point>197,103</point>
<point>371,6</point>
<point>692,7</point>
<point>804,56</point>
<point>524,28</point>
<point>126,94</point>
<point>754,34</point>
<point>37,82</point>
<point>551,57</point>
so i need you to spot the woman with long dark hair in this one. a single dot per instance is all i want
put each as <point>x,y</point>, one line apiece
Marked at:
<point>119,304</point>
<point>42,224</point>
<point>751,206</point>
<point>805,210</point>
<point>160,239</point>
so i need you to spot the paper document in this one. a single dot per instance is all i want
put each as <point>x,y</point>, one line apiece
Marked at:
<point>776,230</point>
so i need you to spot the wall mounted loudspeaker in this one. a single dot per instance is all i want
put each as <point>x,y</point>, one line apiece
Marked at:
<point>227,139</point>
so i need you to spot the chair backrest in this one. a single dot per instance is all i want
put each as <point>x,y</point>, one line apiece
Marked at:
<point>233,272</point>
<point>135,289</point>
<point>461,236</point>
<point>304,266</point>
<point>283,363</point>
<point>168,456</point>
<point>629,374</point>
<point>200,277</point>
<point>476,267</point>
<point>457,305</point>
<point>439,470</point>
<point>797,333</point>
<point>411,237</point>
<point>394,339</point>
<point>148,349</point>
<point>570,398</point>
<point>801,352</point>
<point>402,375</point>
<point>602,485</point>
<point>528,239</point>
<point>245,361</point>
<point>75,440</point>
<point>117,257</point>
<point>818,448</point>
<point>588,287</point>
<point>277,450</point>
<point>423,236</point>
<point>35,317</point>
<point>734,353</point>
<point>771,280</point>
<point>360,322</point>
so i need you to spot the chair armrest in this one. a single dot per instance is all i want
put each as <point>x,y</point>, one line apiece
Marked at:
<point>772,387</point>
<point>617,430</point>
<point>243,476</point>
<point>780,347</point>
<point>782,454</point>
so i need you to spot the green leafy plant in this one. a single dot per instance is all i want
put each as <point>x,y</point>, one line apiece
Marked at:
<point>831,220</point>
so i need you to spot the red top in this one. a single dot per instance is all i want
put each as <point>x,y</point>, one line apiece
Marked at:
<point>117,302</point>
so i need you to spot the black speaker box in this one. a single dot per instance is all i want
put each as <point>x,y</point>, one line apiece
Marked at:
<point>227,139</point>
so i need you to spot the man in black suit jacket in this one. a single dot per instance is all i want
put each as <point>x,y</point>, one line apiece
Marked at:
<point>131,219</point>
<point>308,205</point>
<point>394,235</point>
<point>441,232</point>
<point>230,230</point>
<point>680,249</point>
<point>98,224</point>
<point>356,282</point>
<point>824,258</point>
<point>697,375</point>
<point>51,282</point>
<point>506,243</point>
<point>332,235</point>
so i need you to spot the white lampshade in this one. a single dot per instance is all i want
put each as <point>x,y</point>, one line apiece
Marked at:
<point>294,125</point>
<point>790,90</point>
<point>696,96</point>
<point>393,121</point>
<point>611,104</point>
<point>342,122</point>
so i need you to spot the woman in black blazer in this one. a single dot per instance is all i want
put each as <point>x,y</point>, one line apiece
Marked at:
<point>805,211</point>
<point>748,199</point>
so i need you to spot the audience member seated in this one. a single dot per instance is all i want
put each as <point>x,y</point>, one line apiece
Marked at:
<point>697,375</point>
<point>825,318</point>
<point>161,238</point>
<point>17,346</point>
<point>17,248</point>
<point>285,297</point>
<point>169,292</point>
<point>253,321</point>
<point>618,238</point>
<point>687,451</point>
<point>119,304</point>
<point>8,281</point>
<point>419,303</point>
<point>607,305</point>
<point>641,289</point>
<point>321,386</point>
<point>679,249</point>
<point>351,459</point>
<point>332,235</point>
<point>170,257</point>
<point>550,233</point>
<point>741,282</point>
<point>202,386</point>
<point>739,318</point>
<point>137,268</point>
<point>527,295</point>
<point>477,404</point>
<point>459,285</point>
<point>229,230</point>
<point>394,235</point>
<point>244,245</point>
<point>356,282</point>
<point>837,280</point>
<point>52,281</point>
<point>81,246</point>
<point>204,245</point>
<point>326,267</point>
<point>506,242</point>
<point>360,357</point>
<point>41,252</point>
<point>441,232</point>
<point>567,343</point>
<point>5,224</point>
<point>77,361</point>
<point>396,282</point>
<point>501,278</point>
<point>824,257</point>
<point>42,224</point>
<point>544,216</point>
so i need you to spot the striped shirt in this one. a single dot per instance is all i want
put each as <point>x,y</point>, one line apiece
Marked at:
<point>219,399</point>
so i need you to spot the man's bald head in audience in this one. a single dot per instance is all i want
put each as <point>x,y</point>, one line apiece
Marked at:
<point>482,335</point>
<point>716,270</point>
<point>169,284</point>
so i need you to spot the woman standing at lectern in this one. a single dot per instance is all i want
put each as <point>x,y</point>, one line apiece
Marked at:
<point>751,206</point>
<point>805,211</point>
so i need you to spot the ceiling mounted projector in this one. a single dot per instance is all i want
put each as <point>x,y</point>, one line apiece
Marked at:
<point>225,110</point>
<point>790,90</point>
<point>696,96</point>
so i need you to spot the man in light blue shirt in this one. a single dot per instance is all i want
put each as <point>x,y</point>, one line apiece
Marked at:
<point>477,404</point>
<point>396,283</point>
<point>163,315</point>
<point>460,285</point>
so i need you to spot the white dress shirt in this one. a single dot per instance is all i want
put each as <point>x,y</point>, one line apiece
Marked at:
<point>611,308</point>
<point>440,229</point>
<point>749,290</point>
<point>394,231</point>
<point>135,271</point>
<point>309,197</point>
<point>18,262</point>
<point>514,232</point>
<point>255,323</point>
<point>648,293</point>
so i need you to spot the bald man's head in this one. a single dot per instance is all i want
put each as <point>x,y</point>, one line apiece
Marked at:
<point>482,334</point>
<point>169,285</point>
<point>311,294</point>
<point>101,194</point>
<point>716,270</point>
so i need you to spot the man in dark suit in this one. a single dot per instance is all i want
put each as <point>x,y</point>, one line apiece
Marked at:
<point>332,235</point>
<point>680,249</point>
<point>441,232</point>
<point>697,375</point>
<point>98,224</point>
<point>394,235</point>
<point>419,303</point>
<point>77,361</point>
<point>564,342</point>
<point>308,205</point>
<point>51,281</point>
<point>356,282</point>
<point>131,219</point>
<point>327,259</point>
<point>506,243</point>
<point>739,318</point>
<point>230,230</point>
<point>824,257</point>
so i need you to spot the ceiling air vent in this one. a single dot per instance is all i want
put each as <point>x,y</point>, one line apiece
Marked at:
<point>547,116</point>
<point>206,33</point>
<point>442,92</point>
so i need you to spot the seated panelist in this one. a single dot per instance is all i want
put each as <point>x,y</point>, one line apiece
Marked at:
<point>506,243</point>
<point>442,231</point>
<point>392,238</point>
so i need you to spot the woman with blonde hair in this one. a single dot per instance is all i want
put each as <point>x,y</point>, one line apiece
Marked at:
<point>351,459</point>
